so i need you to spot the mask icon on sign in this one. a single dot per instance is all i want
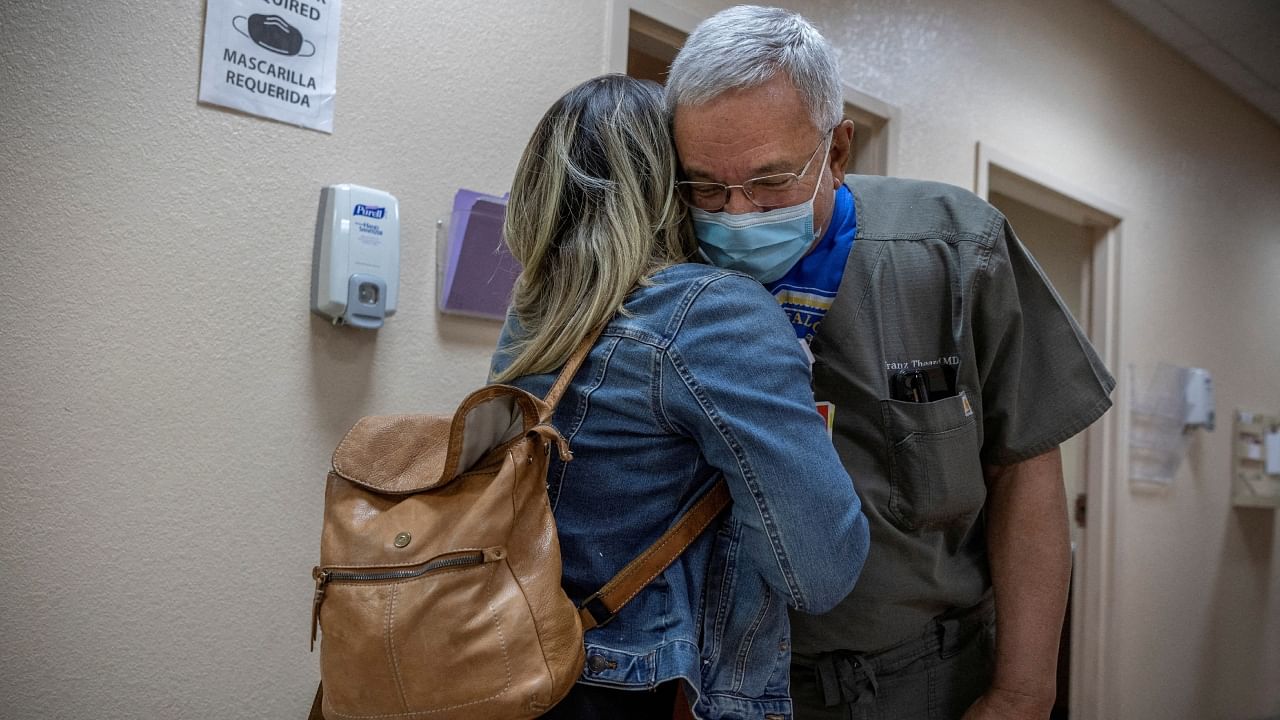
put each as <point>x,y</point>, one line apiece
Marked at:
<point>271,32</point>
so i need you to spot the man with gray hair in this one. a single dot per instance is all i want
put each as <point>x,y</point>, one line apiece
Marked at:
<point>947,367</point>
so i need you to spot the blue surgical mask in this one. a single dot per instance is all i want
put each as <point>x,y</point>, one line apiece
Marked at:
<point>764,245</point>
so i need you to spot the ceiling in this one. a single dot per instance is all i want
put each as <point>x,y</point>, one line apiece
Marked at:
<point>1236,41</point>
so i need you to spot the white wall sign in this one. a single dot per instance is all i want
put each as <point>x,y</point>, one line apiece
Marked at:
<point>274,58</point>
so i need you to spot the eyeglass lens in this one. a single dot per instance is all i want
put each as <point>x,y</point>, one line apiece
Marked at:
<point>770,191</point>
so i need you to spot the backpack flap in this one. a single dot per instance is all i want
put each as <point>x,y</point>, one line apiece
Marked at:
<point>401,454</point>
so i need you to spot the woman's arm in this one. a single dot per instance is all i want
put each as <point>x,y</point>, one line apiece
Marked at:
<point>736,380</point>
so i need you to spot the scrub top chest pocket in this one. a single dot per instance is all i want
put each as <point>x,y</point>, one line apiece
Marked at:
<point>935,476</point>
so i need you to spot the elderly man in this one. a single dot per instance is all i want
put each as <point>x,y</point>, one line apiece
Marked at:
<point>952,370</point>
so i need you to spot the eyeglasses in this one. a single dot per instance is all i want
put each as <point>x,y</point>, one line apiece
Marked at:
<point>766,193</point>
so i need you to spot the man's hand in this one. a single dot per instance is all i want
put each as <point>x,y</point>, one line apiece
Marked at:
<point>997,704</point>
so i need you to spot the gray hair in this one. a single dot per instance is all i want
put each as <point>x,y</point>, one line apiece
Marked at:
<point>745,46</point>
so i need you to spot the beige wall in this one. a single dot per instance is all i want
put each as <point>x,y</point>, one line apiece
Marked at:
<point>169,405</point>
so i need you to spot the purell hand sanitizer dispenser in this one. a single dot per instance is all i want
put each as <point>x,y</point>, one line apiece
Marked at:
<point>355,269</point>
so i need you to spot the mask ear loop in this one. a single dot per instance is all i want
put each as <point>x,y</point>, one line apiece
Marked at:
<point>826,156</point>
<point>313,49</point>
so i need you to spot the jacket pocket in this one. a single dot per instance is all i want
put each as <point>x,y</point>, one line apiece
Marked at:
<point>935,475</point>
<point>720,592</point>
<point>746,653</point>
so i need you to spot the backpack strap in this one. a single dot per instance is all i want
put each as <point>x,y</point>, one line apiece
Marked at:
<point>604,605</point>
<point>317,705</point>
<point>571,368</point>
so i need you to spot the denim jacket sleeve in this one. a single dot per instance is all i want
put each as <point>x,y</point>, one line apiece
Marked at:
<point>735,378</point>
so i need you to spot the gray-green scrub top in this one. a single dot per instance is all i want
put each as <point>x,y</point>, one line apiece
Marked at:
<point>937,277</point>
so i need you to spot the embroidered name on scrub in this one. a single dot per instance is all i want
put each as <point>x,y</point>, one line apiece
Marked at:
<point>949,360</point>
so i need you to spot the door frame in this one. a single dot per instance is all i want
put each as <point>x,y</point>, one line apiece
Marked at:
<point>875,113</point>
<point>1093,691</point>
<point>618,26</point>
<point>872,115</point>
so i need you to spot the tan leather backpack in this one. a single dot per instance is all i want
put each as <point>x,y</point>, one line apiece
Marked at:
<point>438,590</point>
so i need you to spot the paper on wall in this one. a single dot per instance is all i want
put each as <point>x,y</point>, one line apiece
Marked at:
<point>273,58</point>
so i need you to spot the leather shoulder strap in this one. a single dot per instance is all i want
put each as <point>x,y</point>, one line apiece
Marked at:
<point>601,607</point>
<point>317,711</point>
<point>571,368</point>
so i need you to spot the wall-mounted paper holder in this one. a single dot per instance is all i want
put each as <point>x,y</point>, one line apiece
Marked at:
<point>474,271</point>
<point>1255,460</point>
<point>1158,436</point>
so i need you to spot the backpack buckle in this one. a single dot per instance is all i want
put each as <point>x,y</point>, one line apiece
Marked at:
<point>594,612</point>
<point>549,433</point>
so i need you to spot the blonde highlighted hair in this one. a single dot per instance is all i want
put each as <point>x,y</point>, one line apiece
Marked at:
<point>592,215</point>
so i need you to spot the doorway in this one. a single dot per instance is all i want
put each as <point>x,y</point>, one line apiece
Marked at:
<point>645,35</point>
<point>873,128</point>
<point>1075,238</point>
<point>651,46</point>
<point>1064,250</point>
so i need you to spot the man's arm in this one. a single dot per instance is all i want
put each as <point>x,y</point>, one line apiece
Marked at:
<point>1028,545</point>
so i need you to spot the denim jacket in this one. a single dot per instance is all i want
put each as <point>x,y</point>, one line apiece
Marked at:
<point>701,377</point>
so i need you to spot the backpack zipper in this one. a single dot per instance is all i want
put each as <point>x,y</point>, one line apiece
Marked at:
<point>452,560</point>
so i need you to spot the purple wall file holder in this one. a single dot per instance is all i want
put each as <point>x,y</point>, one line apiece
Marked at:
<point>478,272</point>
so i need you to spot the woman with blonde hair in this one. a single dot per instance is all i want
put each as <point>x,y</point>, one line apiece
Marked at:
<point>696,376</point>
